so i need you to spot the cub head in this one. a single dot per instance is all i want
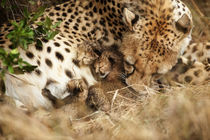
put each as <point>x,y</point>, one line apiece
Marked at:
<point>158,34</point>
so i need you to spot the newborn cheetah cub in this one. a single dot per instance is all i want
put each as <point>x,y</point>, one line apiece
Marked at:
<point>106,66</point>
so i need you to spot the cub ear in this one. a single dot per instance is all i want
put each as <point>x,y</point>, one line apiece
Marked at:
<point>129,18</point>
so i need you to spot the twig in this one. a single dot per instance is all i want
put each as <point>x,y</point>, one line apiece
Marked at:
<point>82,118</point>
<point>114,97</point>
<point>13,15</point>
<point>198,10</point>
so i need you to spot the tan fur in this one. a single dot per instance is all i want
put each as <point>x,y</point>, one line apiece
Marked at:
<point>153,45</point>
<point>192,68</point>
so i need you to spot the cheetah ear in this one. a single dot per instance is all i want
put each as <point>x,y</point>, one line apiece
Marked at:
<point>129,18</point>
<point>184,24</point>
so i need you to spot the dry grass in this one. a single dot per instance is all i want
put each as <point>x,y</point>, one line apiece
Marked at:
<point>181,113</point>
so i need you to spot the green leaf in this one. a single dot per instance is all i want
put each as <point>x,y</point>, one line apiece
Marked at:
<point>29,68</point>
<point>56,25</point>
<point>2,51</point>
<point>48,22</point>
<point>38,14</point>
<point>3,3</point>
<point>14,51</point>
<point>31,2</point>
<point>10,69</point>
<point>51,35</point>
<point>26,14</point>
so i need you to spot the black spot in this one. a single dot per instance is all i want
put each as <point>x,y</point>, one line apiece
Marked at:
<point>86,7</point>
<point>57,8</point>
<point>78,20</point>
<point>2,42</point>
<point>59,56</point>
<point>83,28</point>
<point>120,34</point>
<point>48,62</point>
<point>38,47</point>
<point>113,2</point>
<point>64,14</point>
<point>65,26</point>
<point>58,14</point>
<point>51,14</point>
<point>59,19</point>
<point>90,4</point>
<point>76,62</point>
<point>75,28</point>
<point>87,24</point>
<point>113,10</point>
<point>69,10</point>
<point>95,9</point>
<point>65,5</point>
<point>78,40</point>
<point>38,62</point>
<point>57,44</point>
<point>29,55</point>
<point>72,17</point>
<point>11,46</point>
<point>67,50</point>
<point>42,19</point>
<point>68,73</point>
<point>100,11</point>
<point>44,40</point>
<point>91,13</point>
<point>67,23</point>
<point>49,49</point>
<point>102,22</point>
<point>66,31</point>
<point>76,13</point>
<point>66,43</point>
<point>105,9</point>
<point>196,73</point>
<point>95,21</point>
<point>188,79</point>
<point>38,72</point>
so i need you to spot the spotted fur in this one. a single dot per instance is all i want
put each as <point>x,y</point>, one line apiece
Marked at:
<point>110,23</point>
<point>192,68</point>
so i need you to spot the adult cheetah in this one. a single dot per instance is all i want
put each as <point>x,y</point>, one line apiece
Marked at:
<point>159,27</point>
<point>192,68</point>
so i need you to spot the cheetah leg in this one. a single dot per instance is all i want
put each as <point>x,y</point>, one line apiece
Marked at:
<point>97,99</point>
<point>93,96</point>
<point>78,90</point>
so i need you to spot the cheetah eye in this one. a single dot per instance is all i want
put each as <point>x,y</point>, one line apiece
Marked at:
<point>97,52</point>
<point>129,68</point>
<point>183,24</point>
<point>111,60</point>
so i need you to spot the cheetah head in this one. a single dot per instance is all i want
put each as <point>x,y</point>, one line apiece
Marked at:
<point>158,34</point>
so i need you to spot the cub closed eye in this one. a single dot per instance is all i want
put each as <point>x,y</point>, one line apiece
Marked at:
<point>129,68</point>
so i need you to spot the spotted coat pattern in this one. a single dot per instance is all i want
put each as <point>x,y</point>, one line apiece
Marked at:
<point>105,21</point>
